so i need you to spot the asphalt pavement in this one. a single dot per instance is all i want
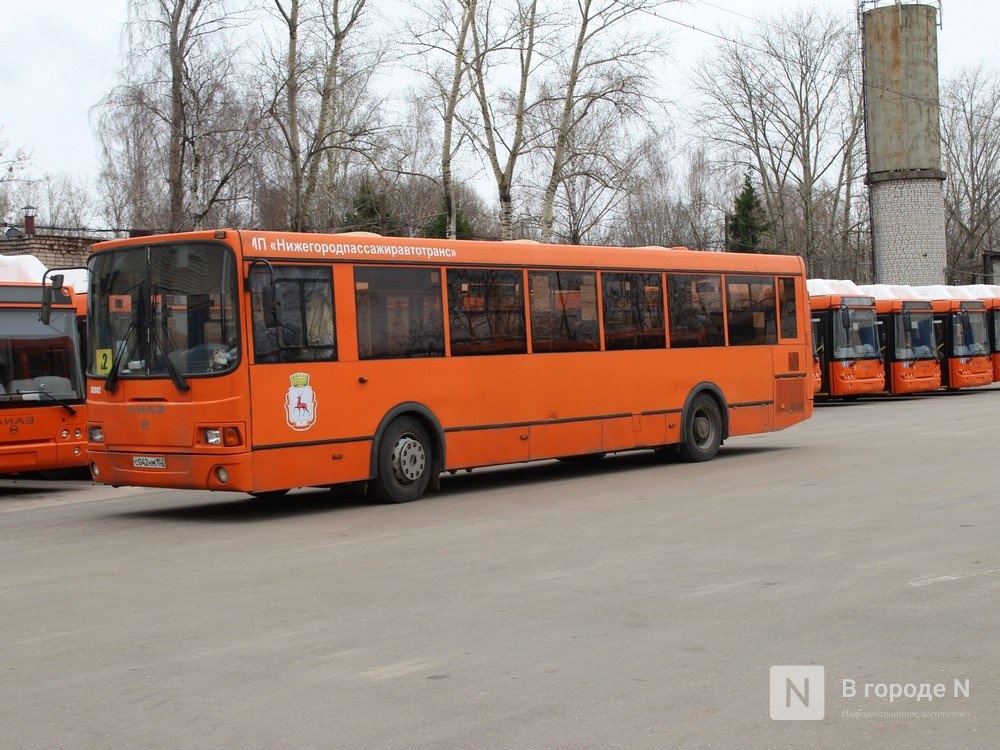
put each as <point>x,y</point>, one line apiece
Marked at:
<point>629,604</point>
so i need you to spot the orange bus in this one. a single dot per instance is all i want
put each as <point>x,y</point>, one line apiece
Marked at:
<point>993,325</point>
<point>260,361</point>
<point>990,295</point>
<point>961,336</point>
<point>845,340</point>
<point>42,409</point>
<point>906,339</point>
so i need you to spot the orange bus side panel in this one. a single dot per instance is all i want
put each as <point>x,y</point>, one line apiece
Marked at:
<point>622,433</point>
<point>503,445</point>
<point>566,438</point>
<point>749,420</point>
<point>311,465</point>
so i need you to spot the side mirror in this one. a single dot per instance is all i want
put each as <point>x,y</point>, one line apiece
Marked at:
<point>45,314</point>
<point>845,318</point>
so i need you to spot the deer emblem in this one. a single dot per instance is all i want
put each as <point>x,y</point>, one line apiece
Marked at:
<point>301,407</point>
<point>300,402</point>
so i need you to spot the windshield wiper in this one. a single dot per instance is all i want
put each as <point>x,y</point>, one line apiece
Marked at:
<point>175,374</point>
<point>59,401</point>
<point>111,384</point>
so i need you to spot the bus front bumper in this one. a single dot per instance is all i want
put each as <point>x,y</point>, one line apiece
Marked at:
<point>226,472</point>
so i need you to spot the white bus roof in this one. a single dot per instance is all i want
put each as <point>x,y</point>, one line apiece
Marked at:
<point>21,268</point>
<point>31,269</point>
<point>817,287</point>
<point>891,291</point>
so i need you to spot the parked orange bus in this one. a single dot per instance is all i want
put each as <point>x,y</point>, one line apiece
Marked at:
<point>845,340</point>
<point>990,295</point>
<point>42,410</point>
<point>961,335</point>
<point>260,361</point>
<point>993,326</point>
<point>906,339</point>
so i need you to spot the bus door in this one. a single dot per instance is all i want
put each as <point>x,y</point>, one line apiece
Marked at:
<point>821,357</point>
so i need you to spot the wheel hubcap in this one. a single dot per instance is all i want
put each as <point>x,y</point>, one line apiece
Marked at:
<point>408,459</point>
<point>702,429</point>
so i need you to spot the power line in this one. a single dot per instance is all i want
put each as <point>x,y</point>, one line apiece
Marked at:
<point>771,53</point>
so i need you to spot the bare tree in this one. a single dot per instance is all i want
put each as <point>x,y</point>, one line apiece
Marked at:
<point>323,109</point>
<point>971,155</point>
<point>11,166</point>
<point>442,43</point>
<point>605,77</point>
<point>784,102</point>
<point>501,39</point>
<point>201,125</point>
<point>670,209</point>
<point>130,183</point>
<point>600,170</point>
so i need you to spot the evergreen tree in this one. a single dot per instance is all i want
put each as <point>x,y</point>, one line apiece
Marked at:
<point>371,212</point>
<point>438,227</point>
<point>748,221</point>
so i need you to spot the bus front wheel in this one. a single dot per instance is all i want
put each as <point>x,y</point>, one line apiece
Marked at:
<point>702,430</point>
<point>404,463</point>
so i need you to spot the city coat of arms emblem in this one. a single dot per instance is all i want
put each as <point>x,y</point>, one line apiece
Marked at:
<point>300,402</point>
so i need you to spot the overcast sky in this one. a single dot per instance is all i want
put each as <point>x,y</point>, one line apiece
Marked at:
<point>58,57</point>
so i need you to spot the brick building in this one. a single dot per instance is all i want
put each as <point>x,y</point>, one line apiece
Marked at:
<point>53,251</point>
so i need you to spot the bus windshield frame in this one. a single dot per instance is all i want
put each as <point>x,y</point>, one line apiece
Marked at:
<point>38,361</point>
<point>859,339</point>
<point>970,337</point>
<point>914,335</point>
<point>160,311</point>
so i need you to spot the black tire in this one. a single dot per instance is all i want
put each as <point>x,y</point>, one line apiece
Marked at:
<point>404,463</point>
<point>702,429</point>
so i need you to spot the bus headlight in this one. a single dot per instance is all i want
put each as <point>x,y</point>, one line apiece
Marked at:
<point>213,436</point>
<point>95,433</point>
<point>64,434</point>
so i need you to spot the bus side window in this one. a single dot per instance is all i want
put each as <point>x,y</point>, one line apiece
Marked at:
<point>486,312</point>
<point>399,312</point>
<point>303,329</point>
<point>788,304</point>
<point>750,303</point>
<point>633,311</point>
<point>694,304</point>
<point>563,311</point>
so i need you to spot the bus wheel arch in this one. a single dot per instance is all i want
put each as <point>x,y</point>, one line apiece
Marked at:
<point>704,423</point>
<point>407,454</point>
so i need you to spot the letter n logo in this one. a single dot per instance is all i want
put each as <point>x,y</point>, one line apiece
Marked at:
<point>798,693</point>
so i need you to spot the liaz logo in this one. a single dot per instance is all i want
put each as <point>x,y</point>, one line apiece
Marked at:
<point>146,409</point>
<point>16,421</point>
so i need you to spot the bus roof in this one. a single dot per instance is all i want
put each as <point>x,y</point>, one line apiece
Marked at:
<point>25,268</point>
<point>891,291</point>
<point>371,248</point>
<point>823,287</point>
<point>28,269</point>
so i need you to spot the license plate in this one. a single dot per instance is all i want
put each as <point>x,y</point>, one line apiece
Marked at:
<point>149,462</point>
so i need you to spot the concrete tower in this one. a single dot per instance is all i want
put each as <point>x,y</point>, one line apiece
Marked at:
<point>903,133</point>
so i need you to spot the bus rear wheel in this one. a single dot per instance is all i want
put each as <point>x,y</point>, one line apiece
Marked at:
<point>404,462</point>
<point>702,430</point>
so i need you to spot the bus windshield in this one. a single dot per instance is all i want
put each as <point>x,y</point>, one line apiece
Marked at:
<point>163,311</point>
<point>38,362</point>
<point>969,334</point>
<point>859,339</point>
<point>915,336</point>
